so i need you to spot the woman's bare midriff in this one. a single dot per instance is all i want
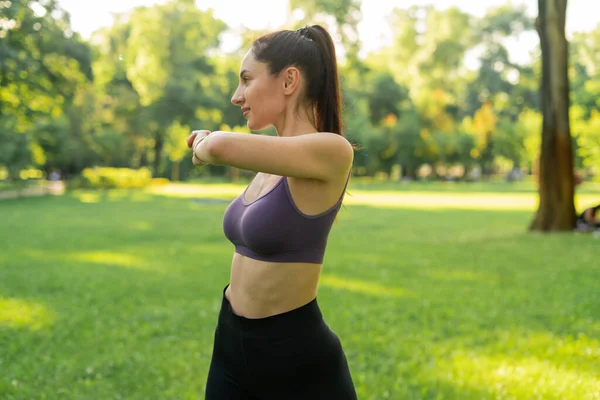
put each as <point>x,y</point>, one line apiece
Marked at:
<point>261,289</point>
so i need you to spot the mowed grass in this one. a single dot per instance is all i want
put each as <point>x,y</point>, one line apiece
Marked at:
<point>435,294</point>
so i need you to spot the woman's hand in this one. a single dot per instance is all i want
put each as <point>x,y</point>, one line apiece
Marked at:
<point>193,141</point>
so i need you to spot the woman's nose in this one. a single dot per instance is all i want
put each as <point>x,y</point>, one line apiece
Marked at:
<point>237,98</point>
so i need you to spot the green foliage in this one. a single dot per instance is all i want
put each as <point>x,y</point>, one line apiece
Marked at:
<point>346,13</point>
<point>587,134</point>
<point>429,47</point>
<point>126,98</point>
<point>42,64</point>
<point>497,75</point>
<point>385,97</point>
<point>509,142</point>
<point>158,58</point>
<point>15,152</point>
<point>585,73</point>
<point>176,146</point>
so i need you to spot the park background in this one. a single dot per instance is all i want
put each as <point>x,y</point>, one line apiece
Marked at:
<point>439,289</point>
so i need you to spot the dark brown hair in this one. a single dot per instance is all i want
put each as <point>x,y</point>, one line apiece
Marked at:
<point>311,50</point>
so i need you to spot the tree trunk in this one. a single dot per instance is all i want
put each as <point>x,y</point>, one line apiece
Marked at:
<point>158,147</point>
<point>556,210</point>
<point>403,172</point>
<point>465,174</point>
<point>175,171</point>
<point>143,158</point>
<point>235,175</point>
<point>487,157</point>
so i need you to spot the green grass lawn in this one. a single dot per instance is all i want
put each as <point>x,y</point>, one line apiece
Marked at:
<point>435,294</point>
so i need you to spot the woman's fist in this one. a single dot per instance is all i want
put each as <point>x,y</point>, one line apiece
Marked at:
<point>193,141</point>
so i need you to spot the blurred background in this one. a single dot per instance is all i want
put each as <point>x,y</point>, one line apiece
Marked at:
<point>443,91</point>
<point>112,253</point>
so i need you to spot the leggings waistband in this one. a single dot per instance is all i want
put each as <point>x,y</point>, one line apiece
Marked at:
<point>301,319</point>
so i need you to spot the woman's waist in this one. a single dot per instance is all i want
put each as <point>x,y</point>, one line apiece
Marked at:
<point>260,289</point>
<point>285,325</point>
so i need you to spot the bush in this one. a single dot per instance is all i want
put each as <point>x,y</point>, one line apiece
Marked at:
<point>31,173</point>
<point>108,178</point>
<point>159,181</point>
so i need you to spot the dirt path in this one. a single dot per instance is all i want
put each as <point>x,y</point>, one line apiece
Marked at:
<point>47,188</point>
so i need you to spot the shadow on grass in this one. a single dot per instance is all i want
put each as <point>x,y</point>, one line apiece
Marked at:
<point>114,331</point>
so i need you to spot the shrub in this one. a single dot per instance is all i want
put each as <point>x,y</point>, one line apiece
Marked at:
<point>108,178</point>
<point>159,181</point>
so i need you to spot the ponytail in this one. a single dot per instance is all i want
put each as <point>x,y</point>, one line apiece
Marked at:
<point>328,108</point>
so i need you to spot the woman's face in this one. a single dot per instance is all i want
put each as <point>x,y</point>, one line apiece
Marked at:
<point>260,94</point>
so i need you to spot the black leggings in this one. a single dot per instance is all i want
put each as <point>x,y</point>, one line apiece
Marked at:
<point>289,356</point>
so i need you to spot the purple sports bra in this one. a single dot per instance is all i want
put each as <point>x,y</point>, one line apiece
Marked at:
<point>272,228</point>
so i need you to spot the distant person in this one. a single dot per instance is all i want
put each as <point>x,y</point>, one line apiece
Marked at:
<point>271,341</point>
<point>588,219</point>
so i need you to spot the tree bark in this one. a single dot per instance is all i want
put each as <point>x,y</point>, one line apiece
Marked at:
<point>235,175</point>
<point>556,210</point>
<point>158,148</point>
<point>175,171</point>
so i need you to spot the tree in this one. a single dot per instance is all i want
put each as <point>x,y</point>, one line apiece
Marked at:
<point>588,138</point>
<point>484,127</point>
<point>509,142</point>
<point>385,96</point>
<point>161,55</point>
<point>428,48</point>
<point>346,13</point>
<point>585,70</point>
<point>529,125</point>
<point>498,76</point>
<point>42,65</point>
<point>556,211</point>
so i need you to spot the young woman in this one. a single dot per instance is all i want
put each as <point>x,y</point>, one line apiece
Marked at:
<point>271,341</point>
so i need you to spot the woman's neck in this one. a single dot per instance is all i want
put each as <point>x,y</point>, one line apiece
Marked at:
<point>295,123</point>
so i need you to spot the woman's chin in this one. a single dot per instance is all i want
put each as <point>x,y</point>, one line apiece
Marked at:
<point>256,127</point>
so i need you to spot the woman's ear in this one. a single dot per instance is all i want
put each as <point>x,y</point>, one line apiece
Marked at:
<point>291,80</point>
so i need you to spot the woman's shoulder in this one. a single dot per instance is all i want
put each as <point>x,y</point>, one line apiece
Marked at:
<point>339,152</point>
<point>334,142</point>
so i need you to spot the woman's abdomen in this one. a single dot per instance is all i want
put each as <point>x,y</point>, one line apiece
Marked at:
<point>260,289</point>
